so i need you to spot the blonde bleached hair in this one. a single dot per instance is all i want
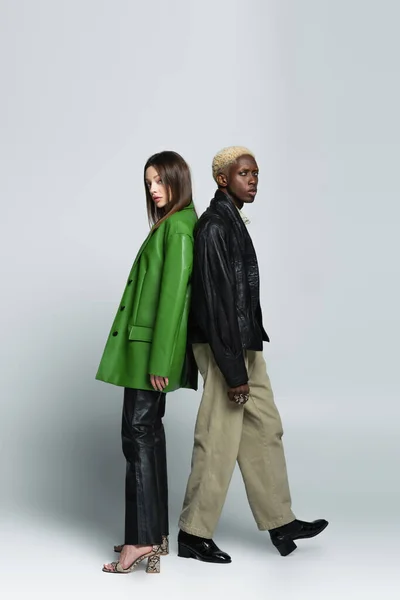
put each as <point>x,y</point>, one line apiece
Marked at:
<point>227,156</point>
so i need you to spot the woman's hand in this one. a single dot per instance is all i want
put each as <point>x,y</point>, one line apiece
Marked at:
<point>158,383</point>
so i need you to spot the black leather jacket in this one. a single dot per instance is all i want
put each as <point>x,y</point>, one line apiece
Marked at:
<point>225,309</point>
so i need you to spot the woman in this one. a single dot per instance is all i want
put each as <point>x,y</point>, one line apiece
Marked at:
<point>147,354</point>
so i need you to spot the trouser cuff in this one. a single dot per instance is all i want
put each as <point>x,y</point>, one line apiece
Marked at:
<point>204,533</point>
<point>277,523</point>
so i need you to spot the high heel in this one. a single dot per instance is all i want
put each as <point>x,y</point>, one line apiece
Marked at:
<point>286,546</point>
<point>153,563</point>
<point>185,552</point>
<point>164,546</point>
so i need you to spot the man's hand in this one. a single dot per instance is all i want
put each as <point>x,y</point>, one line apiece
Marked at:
<point>158,383</point>
<point>239,394</point>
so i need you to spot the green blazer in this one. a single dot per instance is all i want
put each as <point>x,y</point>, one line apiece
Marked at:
<point>149,333</point>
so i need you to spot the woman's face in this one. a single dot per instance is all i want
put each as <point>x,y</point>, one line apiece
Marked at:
<point>157,189</point>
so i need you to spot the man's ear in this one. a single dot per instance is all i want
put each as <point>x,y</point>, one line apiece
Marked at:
<point>222,180</point>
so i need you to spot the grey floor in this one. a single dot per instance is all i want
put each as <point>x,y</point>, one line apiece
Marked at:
<point>64,511</point>
<point>53,559</point>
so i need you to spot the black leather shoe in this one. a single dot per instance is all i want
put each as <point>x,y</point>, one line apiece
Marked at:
<point>283,537</point>
<point>192,546</point>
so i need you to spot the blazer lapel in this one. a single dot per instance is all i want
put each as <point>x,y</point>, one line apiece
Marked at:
<point>142,247</point>
<point>146,241</point>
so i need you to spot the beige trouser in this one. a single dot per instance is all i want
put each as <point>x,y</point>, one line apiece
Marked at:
<point>226,432</point>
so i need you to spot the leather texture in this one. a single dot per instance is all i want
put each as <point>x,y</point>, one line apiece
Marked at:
<point>146,488</point>
<point>192,546</point>
<point>149,332</point>
<point>226,311</point>
<point>297,530</point>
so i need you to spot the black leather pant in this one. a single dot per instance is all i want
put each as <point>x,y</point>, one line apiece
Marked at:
<point>146,487</point>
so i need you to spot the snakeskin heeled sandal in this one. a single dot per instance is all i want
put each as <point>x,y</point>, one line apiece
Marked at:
<point>153,563</point>
<point>164,546</point>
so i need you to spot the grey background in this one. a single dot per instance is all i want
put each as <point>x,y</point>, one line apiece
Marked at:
<point>89,90</point>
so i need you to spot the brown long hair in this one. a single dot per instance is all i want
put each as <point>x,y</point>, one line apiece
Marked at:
<point>175,175</point>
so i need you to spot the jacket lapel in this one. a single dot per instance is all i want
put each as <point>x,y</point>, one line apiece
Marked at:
<point>142,247</point>
<point>226,207</point>
<point>146,241</point>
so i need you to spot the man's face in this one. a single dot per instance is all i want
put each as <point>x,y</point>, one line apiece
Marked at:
<point>241,179</point>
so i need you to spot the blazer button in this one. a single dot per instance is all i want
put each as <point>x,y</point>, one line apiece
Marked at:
<point>129,282</point>
<point>115,333</point>
<point>122,308</point>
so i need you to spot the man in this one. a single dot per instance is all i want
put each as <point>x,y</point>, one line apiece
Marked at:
<point>237,418</point>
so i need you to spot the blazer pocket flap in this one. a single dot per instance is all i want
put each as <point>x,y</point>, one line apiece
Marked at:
<point>140,334</point>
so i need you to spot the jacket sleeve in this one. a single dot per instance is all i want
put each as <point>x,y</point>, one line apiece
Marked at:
<point>177,269</point>
<point>219,314</point>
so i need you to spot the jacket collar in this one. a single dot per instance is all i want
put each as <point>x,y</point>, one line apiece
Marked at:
<point>221,196</point>
<point>146,241</point>
<point>224,204</point>
<point>189,206</point>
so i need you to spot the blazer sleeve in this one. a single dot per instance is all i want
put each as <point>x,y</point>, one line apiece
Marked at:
<point>219,313</point>
<point>177,269</point>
